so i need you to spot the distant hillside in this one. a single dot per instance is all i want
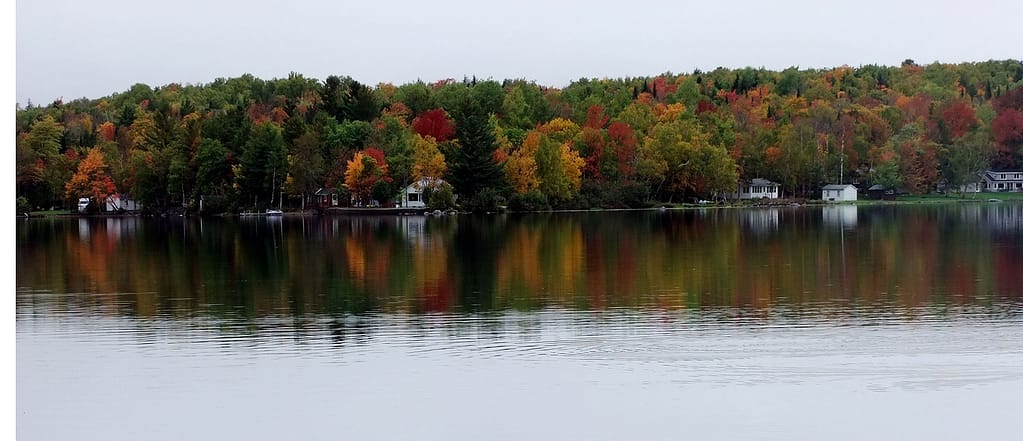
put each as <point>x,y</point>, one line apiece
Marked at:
<point>240,142</point>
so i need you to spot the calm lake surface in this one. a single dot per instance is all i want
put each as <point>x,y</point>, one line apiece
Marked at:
<point>802,323</point>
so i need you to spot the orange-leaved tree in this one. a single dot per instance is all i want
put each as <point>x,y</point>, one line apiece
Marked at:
<point>91,179</point>
<point>364,170</point>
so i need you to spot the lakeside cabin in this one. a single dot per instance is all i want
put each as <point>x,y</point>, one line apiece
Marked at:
<point>757,188</point>
<point>838,193</point>
<point>413,195</point>
<point>879,192</point>
<point>327,197</point>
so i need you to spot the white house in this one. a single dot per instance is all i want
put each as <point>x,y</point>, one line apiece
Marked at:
<point>121,202</point>
<point>838,193</point>
<point>757,188</point>
<point>412,196</point>
<point>1002,181</point>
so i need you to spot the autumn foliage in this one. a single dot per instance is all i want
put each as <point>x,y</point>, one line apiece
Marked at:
<point>669,137</point>
<point>91,179</point>
<point>363,172</point>
<point>434,123</point>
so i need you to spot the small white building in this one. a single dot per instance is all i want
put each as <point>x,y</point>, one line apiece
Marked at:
<point>413,195</point>
<point>757,188</point>
<point>1002,181</point>
<point>838,193</point>
<point>121,202</point>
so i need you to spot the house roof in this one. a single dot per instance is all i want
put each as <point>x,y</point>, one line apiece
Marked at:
<point>997,175</point>
<point>423,183</point>
<point>838,186</point>
<point>762,182</point>
<point>325,191</point>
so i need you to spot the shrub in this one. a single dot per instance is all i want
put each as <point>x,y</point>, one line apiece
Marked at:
<point>440,198</point>
<point>344,197</point>
<point>633,195</point>
<point>529,201</point>
<point>487,200</point>
<point>382,191</point>
<point>610,195</point>
<point>23,205</point>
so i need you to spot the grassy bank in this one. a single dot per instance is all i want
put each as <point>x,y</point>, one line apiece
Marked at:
<point>967,197</point>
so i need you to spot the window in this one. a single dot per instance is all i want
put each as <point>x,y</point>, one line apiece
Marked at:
<point>413,197</point>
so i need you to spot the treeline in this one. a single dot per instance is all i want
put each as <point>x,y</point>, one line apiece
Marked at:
<point>244,143</point>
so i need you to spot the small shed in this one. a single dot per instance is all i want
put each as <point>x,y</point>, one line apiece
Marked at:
<point>121,202</point>
<point>327,197</point>
<point>838,193</point>
<point>879,192</point>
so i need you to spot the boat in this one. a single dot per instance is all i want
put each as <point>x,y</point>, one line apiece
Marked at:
<point>274,213</point>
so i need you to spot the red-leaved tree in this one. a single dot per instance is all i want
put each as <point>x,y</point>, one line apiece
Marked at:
<point>434,123</point>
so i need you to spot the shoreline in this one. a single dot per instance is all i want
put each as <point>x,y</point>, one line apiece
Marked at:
<point>401,211</point>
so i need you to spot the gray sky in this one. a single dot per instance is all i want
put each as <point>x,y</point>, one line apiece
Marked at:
<point>74,48</point>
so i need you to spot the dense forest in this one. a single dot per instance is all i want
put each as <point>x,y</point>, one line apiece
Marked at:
<point>246,143</point>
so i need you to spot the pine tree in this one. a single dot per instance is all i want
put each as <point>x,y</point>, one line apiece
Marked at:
<point>472,166</point>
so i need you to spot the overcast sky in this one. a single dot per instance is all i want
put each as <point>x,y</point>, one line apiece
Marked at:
<point>71,48</point>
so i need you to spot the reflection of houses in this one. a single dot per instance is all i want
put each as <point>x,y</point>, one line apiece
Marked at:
<point>842,216</point>
<point>412,227</point>
<point>838,193</point>
<point>1002,181</point>
<point>1005,218</point>
<point>759,221</point>
<point>327,197</point>
<point>414,195</point>
<point>757,189</point>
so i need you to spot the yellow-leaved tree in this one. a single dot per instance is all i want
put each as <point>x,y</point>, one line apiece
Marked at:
<point>573,165</point>
<point>363,172</point>
<point>521,165</point>
<point>559,168</point>
<point>427,160</point>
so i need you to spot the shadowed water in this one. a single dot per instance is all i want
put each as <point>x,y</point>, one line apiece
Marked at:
<point>783,323</point>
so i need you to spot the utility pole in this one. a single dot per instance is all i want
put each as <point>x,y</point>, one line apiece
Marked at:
<point>841,160</point>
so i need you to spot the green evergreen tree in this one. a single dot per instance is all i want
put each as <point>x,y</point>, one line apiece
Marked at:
<point>263,164</point>
<point>472,166</point>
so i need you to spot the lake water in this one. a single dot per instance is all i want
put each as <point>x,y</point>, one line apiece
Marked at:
<point>801,323</point>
